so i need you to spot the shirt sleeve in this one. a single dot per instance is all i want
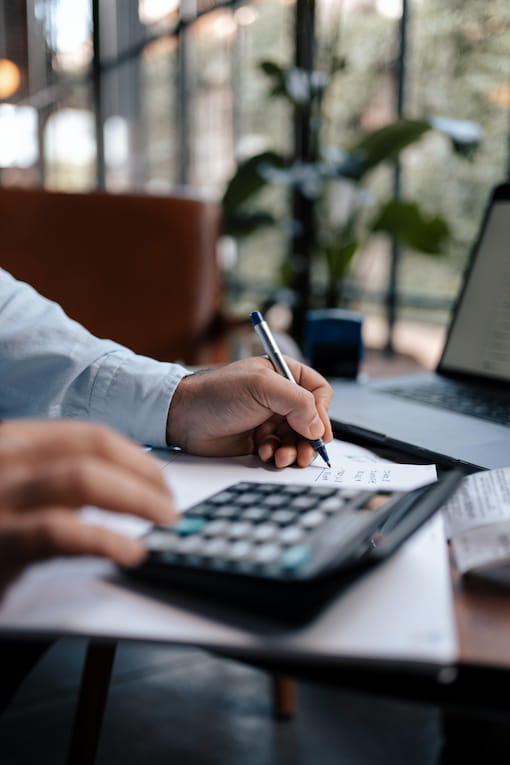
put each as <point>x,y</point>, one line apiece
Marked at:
<point>51,366</point>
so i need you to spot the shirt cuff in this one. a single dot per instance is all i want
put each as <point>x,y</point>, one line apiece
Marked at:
<point>132,394</point>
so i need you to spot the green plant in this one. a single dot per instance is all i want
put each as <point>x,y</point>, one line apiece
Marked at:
<point>329,172</point>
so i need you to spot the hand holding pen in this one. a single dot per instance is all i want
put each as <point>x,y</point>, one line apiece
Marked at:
<point>275,356</point>
<point>248,407</point>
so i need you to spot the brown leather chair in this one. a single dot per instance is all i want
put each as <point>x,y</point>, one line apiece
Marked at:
<point>137,269</point>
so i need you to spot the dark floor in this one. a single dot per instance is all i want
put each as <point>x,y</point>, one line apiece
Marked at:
<point>185,707</point>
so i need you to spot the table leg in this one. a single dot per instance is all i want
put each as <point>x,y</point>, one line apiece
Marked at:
<point>470,738</point>
<point>88,719</point>
<point>284,697</point>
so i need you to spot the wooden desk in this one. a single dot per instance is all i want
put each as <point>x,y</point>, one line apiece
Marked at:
<point>483,623</point>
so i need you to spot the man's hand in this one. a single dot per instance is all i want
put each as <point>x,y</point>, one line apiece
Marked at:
<point>49,469</point>
<point>246,408</point>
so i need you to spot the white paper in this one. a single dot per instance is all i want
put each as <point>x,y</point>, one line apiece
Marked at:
<point>481,499</point>
<point>363,475</point>
<point>192,479</point>
<point>483,545</point>
<point>352,467</point>
<point>401,611</point>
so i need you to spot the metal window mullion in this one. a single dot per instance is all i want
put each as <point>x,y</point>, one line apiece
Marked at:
<point>396,253</point>
<point>97,95</point>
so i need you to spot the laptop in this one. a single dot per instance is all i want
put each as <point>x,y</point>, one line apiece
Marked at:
<point>458,414</point>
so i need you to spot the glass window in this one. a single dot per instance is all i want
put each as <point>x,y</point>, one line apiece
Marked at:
<point>184,103</point>
<point>67,29</point>
<point>18,136</point>
<point>70,149</point>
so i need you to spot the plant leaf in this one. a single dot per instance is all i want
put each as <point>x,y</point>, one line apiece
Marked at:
<point>278,76</point>
<point>410,226</point>
<point>241,224</point>
<point>386,143</point>
<point>339,255</point>
<point>248,180</point>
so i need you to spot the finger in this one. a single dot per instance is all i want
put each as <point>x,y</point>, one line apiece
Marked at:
<point>90,481</point>
<point>267,447</point>
<point>266,438</point>
<point>277,442</point>
<point>328,430</point>
<point>293,450</point>
<point>44,441</point>
<point>296,405</point>
<point>321,390</point>
<point>57,531</point>
<point>312,381</point>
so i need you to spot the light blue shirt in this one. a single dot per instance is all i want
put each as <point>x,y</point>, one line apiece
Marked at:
<point>50,366</point>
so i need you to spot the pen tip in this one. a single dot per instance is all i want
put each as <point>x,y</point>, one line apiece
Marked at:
<point>328,464</point>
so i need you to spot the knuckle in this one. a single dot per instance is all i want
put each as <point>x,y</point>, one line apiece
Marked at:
<point>79,476</point>
<point>49,532</point>
<point>99,438</point>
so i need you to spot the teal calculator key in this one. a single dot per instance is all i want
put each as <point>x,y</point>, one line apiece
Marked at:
<point>294,558</point>
<point>189,525</point>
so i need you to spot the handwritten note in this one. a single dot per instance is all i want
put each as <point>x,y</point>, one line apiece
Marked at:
<point>357,475</point>
<point>193,478</point>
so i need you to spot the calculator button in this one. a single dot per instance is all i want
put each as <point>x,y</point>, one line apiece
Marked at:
<point>266,488</point>
<point>295,558</point>
<point>240,550</point>
<point>217,546</point>
<point>190,545</point>
<point>249,498</point>
<point>266,553</point>
<point>294,489</point>
<point>275,500</point>
<point>189,525</point>
<point>239,530</point>
<point>291,535</point>
<point>225,511</point>
<point>322,491</point>
<point>222,497</point>
<point>312,519</point>
<point>255,514</point>
<point>204,510</point>
<point>168,557</point>
<point>332,504</point>
<point>283,517</point>
<point>304,502</point>
<point>265,531</point>
<point>161,540</point>
<point>243,486</point>
<point>218,527</point>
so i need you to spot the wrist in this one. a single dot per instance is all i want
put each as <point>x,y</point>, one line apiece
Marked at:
<point>177,422</point>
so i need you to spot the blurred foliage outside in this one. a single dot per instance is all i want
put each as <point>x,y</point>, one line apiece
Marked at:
<point>456,67</point>
<point>453,69</point>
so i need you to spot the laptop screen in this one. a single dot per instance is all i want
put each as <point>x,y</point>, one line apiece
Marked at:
<point>479,337</point>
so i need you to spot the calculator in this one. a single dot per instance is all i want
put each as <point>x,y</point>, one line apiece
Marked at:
<point>285,549</point>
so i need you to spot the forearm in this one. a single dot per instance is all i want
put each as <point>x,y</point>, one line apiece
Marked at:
<point>50,366</point>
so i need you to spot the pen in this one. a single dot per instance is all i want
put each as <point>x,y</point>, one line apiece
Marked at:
<point>275,356</point>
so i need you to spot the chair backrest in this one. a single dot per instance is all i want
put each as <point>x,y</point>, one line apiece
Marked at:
<point>138,269</point>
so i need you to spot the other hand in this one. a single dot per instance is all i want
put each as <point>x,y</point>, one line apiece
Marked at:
<point>50,469</point>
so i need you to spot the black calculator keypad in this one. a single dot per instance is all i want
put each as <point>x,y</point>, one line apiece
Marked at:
<point>284,550</point>
<point>270,530</point>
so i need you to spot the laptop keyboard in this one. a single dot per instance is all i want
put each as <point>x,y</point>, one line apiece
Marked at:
<point>486,405</point>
